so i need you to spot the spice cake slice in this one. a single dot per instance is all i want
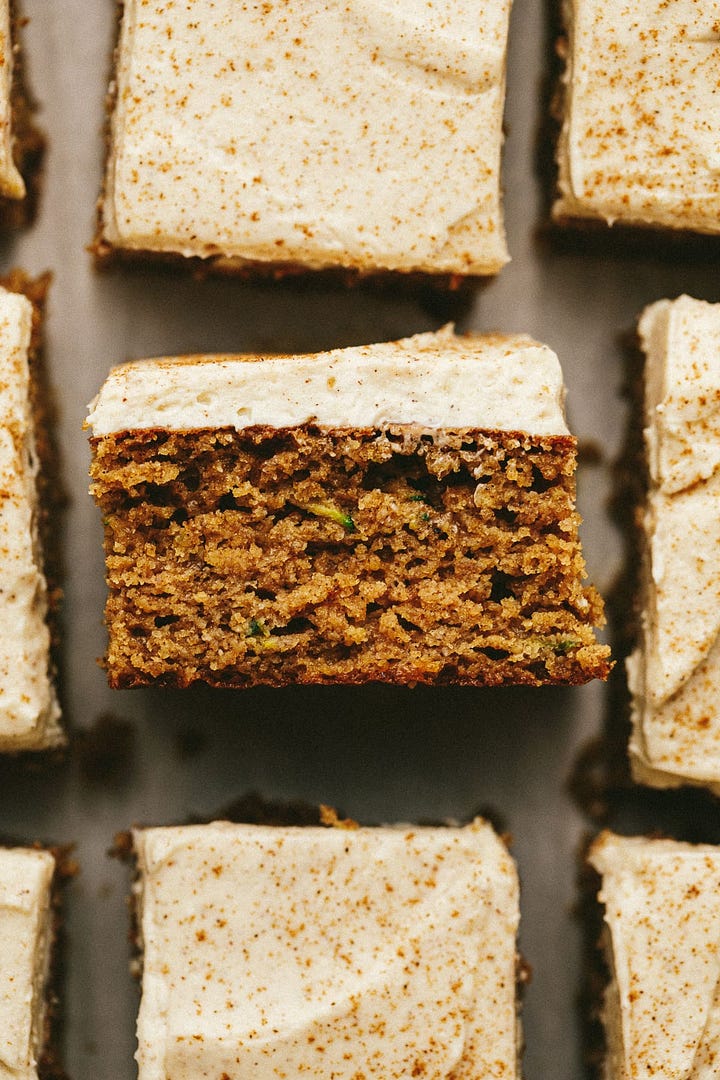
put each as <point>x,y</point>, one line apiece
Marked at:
<point>674,672</point>
<point>640,133</point>
<point>401,512</point>
<point>283,951</point>
<point>29,710</point>
<point>21,144</point>
<point>661,941</point>
<point>329,135</point>
<point>26,939</point>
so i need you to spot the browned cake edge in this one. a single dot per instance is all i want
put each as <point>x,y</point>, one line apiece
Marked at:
<point>579,659</point>
<point>28,139</point>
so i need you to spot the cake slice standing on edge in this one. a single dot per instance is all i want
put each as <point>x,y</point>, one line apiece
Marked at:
<point>26,938</point>
<point>21,144</point>
<point>674,673</point>
<point>401,512</point>
<point>278,951</point>
<point>661,942</point>
<point>640,133</point>
<point>327,135</point>
<point>29,711</point>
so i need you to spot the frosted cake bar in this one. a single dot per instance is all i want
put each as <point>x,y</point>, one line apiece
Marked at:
<point>288,951</point>
<point>29,711</point>
<point>329,135</point>
<point>26,935</point>
<point>401,512</point>
<point>662,945</point>
<point>674,673</point>
<point>641,127</point>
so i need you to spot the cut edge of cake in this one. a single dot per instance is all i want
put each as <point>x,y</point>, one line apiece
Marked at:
<point>439,382</point>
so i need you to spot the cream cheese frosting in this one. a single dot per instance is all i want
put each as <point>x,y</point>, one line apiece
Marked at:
<point>641,131</point>
<point>25,938</point>
<point>674,674</point>
<point>662,916</point>
<point>29,711</point>
<point>360,134</point>
<point>12,185</point>
<point>435,380</point>
<point>275,952</point>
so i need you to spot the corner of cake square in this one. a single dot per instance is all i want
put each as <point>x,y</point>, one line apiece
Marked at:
<point>401,512</point>
<point>308,136</point>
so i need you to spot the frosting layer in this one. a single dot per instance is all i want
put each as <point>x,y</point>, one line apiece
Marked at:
<point>662,913</point>
<point>25,937</point>
<point>359,134</point>
<point>641,130</point>
<point>29,711</point>
<point>434,380</point>
<point>272,952</point>
<point>675,672</point>
<point>12,185</point>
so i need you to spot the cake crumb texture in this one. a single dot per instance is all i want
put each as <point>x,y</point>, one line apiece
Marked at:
<point>306,555</point>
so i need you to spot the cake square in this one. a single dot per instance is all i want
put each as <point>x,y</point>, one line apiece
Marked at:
<point>29,710</point>
<point>310,136</point>
<point>662,945</point>
<point>674,672</point>
<point>401,512</point>
<point>640,134</point>
<point>21,144</point>
<point>26,936</point>
<point>338,952</point>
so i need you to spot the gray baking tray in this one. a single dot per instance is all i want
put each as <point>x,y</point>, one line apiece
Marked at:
<point>380,754</point>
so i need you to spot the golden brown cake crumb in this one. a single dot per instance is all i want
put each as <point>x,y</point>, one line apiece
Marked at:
<point>305,555</point>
